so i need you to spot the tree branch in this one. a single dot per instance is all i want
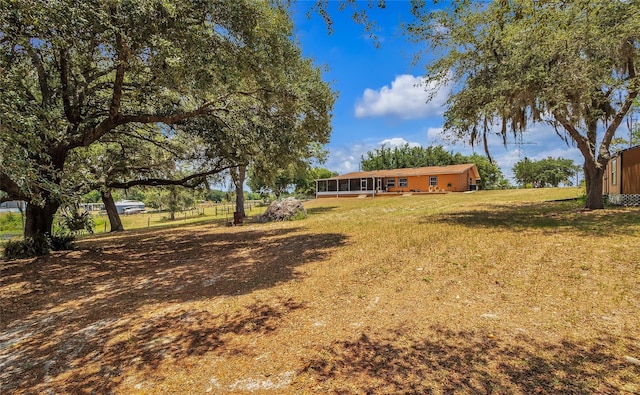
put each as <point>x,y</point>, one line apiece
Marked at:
<point>122,58</point>
<point>581,141</point>
<point>116,119</point>
<point>173,118</point>
<point>613,126</point>
<point>11,188</point>
<point>42,75</point>
<point>161,145</point>
<point>71,114</point>
<point>190,181</point>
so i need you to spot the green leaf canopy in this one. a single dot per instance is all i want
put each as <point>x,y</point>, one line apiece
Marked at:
<point>572,64</point>
<point>78,73</point>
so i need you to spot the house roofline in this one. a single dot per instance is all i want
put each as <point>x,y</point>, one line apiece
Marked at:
<point>624,150</point>
<point>406,172</point>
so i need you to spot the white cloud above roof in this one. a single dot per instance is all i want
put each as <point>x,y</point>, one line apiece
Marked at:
<point>407,98</point>
<point>397,142</point>
<point>347,159</point>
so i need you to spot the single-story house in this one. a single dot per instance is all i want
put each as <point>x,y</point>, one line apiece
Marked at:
<point>621,179</point>
<point>434,179</point>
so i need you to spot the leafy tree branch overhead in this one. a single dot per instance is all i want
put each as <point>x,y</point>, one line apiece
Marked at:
<point>80,74</point>
<point>512,63</point>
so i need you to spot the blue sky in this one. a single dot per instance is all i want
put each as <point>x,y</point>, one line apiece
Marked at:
<point>379,101</point>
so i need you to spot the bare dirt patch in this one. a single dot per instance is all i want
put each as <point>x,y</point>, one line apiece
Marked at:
<point>415,295</point>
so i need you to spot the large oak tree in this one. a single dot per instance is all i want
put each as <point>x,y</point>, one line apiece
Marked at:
<point>573,64</point>
<point>75,73</point>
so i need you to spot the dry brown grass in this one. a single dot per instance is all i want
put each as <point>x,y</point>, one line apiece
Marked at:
<point>493,292</point>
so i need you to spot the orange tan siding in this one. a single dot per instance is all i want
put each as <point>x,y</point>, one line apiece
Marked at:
<point>448,182</point>
<point>453,178</point>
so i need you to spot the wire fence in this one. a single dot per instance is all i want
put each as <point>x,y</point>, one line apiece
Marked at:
<point>204,212</point>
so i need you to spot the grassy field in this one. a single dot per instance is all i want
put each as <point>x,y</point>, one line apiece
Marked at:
<point>11,223</point>
<point>507,292</point>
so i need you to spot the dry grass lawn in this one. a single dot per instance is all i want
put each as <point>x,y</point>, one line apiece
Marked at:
<point>493,292</point>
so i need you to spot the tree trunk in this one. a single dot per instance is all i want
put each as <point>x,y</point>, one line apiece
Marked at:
<point>238,175</point>
<point>173,202</point>
<point>40,219</point>
<point>593,182</point>
<point>112,211</point>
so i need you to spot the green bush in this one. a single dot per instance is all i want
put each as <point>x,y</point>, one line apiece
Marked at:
<point>62,242</point>
<point>30,247</point>
<point>73,221</point>
<point>27,247</point>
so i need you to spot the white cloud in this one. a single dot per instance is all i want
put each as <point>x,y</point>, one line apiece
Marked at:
<point>407,98</point>
<point>435,134</point>
<point>398,142</point>
<point>347,159</point>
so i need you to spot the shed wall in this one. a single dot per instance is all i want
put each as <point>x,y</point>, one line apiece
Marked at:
<point>630,173</point>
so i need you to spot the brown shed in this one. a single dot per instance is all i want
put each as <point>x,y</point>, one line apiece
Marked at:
<point>621,179</point>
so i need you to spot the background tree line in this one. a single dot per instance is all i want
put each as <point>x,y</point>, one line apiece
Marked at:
<point>406,156</point>
<point>549,172</point>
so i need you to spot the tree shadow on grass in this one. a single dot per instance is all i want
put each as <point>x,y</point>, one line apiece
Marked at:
<point>171,336</point>
<point>72,308</point>
<point>471,363</point>
<point>548,216</point>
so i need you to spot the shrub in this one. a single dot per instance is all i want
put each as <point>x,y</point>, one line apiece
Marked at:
<point>62,242</point>
<point>30,247</point>
<point>73,221</point>
<point>27,247</point>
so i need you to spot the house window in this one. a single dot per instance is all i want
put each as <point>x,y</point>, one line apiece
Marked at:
<point>433,181</point>
<point>391,182</point>
<point>614,169</point>
<point>322,186</point>
<point>402,182</point>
